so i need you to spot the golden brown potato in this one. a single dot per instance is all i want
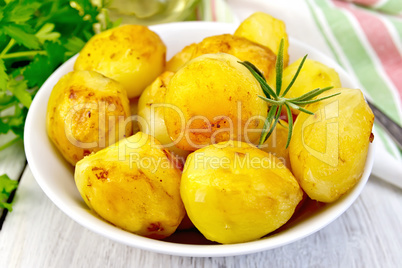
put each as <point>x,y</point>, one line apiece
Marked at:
<point>86,112</point>
<point>151,110</point>
<point>328,150</point>
<point>181,58</point>
<point>276,143</point>
<point>134,185</point>
<point>130,54</point>
<point>262,57</point>
<point>265,30</point>
<point>213,98</point>
<point>234,192</point>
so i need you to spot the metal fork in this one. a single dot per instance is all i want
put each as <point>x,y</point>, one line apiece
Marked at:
<point>391,127</point>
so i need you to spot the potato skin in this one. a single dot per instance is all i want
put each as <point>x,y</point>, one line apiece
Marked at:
<point>134,185</point>
<point>234,192</point>
<point>265,30</point>
<point>328,150</point>
<point>130,54</point>
<point>153,116</point>
<point>215,99</point>
<point>85,113</point>
<point>181,58</point>
<point>262,57</point>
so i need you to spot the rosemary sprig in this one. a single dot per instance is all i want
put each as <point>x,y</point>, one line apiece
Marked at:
<point>277,101</point>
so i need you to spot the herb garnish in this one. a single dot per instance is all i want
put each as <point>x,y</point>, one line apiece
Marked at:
<point>277,101</point>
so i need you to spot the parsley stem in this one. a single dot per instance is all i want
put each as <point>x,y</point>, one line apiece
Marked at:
<point>4,146</point>
<point>7,48</point>
<point>23,54</point>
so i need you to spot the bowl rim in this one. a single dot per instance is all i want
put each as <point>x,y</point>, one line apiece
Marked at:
<point>105,229</point>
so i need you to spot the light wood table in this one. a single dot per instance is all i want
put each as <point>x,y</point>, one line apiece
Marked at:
<point>37,234</point>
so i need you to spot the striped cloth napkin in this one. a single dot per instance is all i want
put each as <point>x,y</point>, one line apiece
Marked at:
<point>363,36</point>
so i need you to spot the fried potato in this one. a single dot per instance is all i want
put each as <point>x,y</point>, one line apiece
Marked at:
<point>328,150</point>
<point>181,58</point>
<point>265,30</point>
<point>86,112</point>
<point>130,54</point>
<point>245,50</point>
<point>151,113</point>
<point>234,192</point>
<point>135,185</point>
<point>212,99</point>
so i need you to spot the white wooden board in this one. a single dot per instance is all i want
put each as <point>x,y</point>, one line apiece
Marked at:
<point>38,234</point>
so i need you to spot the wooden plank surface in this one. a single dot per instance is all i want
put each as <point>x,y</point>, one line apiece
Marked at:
<point>38,234</point>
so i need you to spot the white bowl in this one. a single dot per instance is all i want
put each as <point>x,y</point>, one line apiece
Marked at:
<point>55,175</point>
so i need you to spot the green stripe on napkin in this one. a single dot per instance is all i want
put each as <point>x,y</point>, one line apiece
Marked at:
<point>397,25</point>
<point>391,6</point>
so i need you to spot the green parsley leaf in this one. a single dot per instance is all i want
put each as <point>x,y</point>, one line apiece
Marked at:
<point>15,12</point>
<point>74,44</point>
<point>56,54</point>
<point>16,122</point>
<point>37,71</point>
<point>46,33</point>
<point>4,128</point>
<point>21,36</point>
<point>19,89</point>
<point>7,186</point>
<point>5,99</point>
<point>42,66</point>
